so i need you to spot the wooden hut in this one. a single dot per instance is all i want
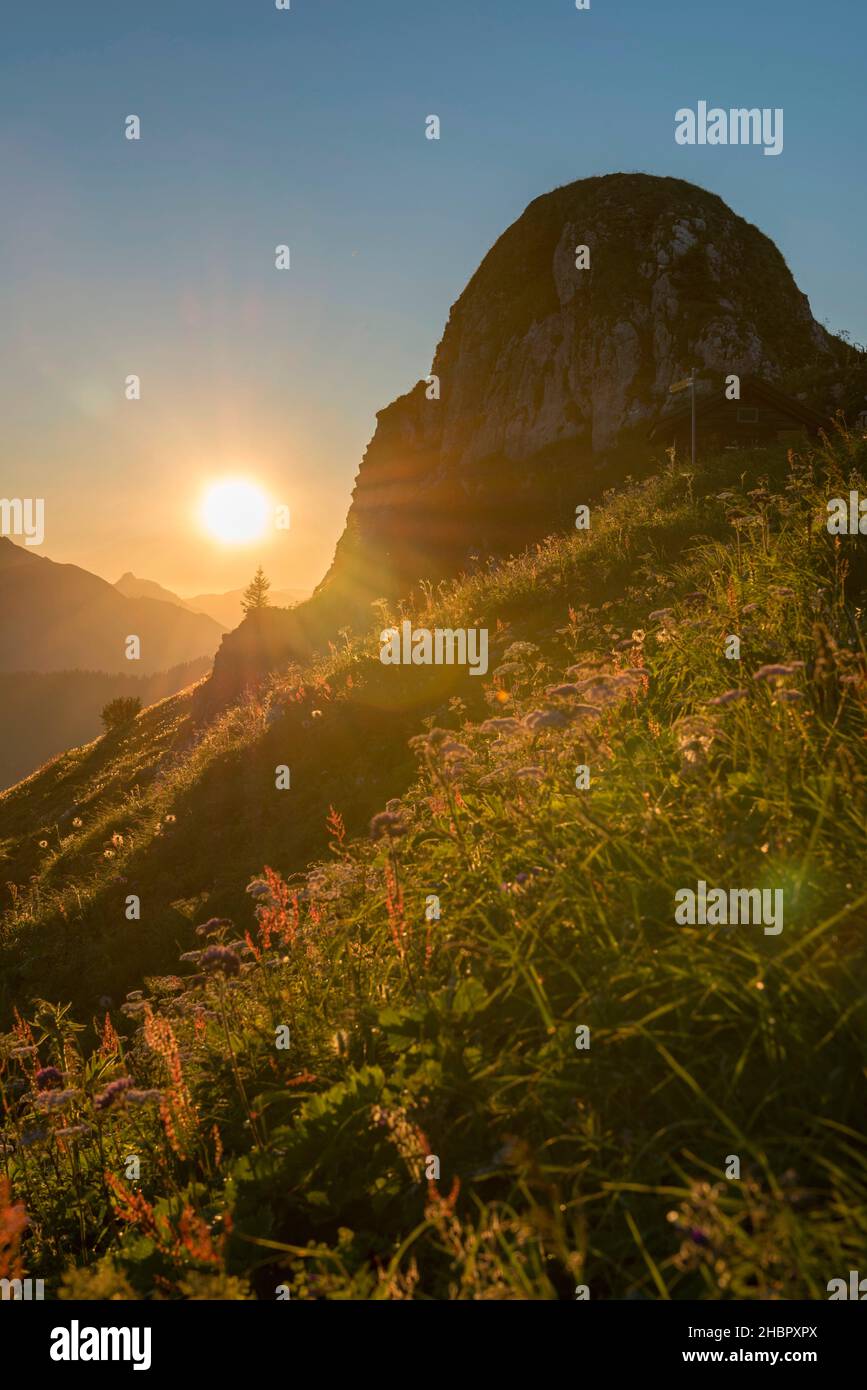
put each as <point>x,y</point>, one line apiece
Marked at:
<point>763,415</point>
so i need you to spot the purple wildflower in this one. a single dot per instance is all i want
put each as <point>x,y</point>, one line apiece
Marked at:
<point>47,1078</point>
<point>114,1091</point>
<point>220,958</point>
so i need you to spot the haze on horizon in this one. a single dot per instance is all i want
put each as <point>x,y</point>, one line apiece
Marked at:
<point>259,127</point>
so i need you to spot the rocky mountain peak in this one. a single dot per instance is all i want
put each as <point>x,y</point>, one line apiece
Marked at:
<point>547,372</point>
<point>554,363</point>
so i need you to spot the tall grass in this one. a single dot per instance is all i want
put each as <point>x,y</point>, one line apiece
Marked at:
<point>431,1130</point>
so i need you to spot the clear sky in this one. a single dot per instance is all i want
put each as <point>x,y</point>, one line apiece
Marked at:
<point>306,127</point>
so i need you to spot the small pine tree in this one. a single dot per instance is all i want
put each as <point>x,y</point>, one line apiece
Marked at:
<point>121,711</point>
<point>256,592</point>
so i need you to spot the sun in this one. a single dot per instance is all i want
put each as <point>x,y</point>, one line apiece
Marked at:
<point>235,511</point>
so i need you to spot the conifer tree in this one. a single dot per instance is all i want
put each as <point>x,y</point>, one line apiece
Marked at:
<point>256,592</point>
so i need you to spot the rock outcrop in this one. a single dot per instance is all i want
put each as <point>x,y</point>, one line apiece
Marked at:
<point>548,378</point>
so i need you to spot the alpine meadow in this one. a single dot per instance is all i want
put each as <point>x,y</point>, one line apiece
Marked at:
<point>438,877</point>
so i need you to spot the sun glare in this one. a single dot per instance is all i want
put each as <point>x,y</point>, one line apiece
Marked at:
<point>234,511</point>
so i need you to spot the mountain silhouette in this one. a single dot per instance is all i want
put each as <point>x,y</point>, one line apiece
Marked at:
<point>56,617</point>
<point>132,587</point>
<point>224,608</point>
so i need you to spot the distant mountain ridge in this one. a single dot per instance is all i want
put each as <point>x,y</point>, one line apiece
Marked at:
<point>56,617</point>
<point>225,608</point>
<point>131,586</point>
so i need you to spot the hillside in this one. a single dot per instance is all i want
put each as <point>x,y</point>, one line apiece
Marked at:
<point>44,713</point>
<point>57,617</point>
<point>432,1129</point>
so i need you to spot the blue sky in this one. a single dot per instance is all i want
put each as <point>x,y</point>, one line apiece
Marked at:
<point>307,127</point>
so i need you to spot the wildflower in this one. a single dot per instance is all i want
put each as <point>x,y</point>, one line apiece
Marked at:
<point>728,697</point>
<point>117,840</point>
<point>108,854</point>
<point>213,925</point>
<point>776,672</point>
<point>500,726</point>
<point>192,956</point>
<point>43,844</point>
<point>694,737</point>
<point>31,1137</point>
<point>491,778</point>
<point>77,821</point>
<point>790,697</point>
<point>55,1100</point>
<point>13,1224</point>
<point>220,958</point>
<point>135,1097</point>
<point>562,692</point>
<point>435,738</point>
<point>545,719</point>
<point>386,823</point>
<point>115,1091</point>
<point>530,774</point>
<point>521,651</point>
<point>170,820</point>
<point>47,1078</point>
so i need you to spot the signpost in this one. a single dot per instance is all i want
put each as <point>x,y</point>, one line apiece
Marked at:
<point>688,381</point>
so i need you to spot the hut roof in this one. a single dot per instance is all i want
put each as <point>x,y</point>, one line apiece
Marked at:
<point>758,390</point>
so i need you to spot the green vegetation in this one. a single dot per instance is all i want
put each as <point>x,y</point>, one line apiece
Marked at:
<point>413,1036</point>
<point>120,711</point>
<point>256,592</point>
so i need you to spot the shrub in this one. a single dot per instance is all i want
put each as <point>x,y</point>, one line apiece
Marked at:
<point>121,711</point>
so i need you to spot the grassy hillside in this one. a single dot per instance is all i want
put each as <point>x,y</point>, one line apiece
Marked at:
<point>350,1096</point>
<point>44,712</point>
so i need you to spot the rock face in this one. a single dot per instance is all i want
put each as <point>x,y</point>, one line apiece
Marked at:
<point>549,377</point>
<point>549,374</point>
